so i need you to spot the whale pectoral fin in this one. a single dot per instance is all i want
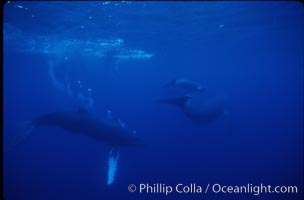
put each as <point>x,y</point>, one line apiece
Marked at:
<point>230,124</point>
<point>112,164</point>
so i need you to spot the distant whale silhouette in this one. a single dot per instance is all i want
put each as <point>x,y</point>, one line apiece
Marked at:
<point>186,84</point>
<point>200,111</point>
<point>83,122</point>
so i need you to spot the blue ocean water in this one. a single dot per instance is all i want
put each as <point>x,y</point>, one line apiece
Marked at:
<point>115,58</point>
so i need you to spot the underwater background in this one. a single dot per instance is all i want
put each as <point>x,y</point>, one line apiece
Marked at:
<point>115,58</point>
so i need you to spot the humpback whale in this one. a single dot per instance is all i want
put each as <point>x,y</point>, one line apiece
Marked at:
<point>186,84</point>
<point>83,122</point>
<point>201,111</point>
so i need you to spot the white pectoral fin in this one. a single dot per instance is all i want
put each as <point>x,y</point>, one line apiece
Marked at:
<point>112,165</point>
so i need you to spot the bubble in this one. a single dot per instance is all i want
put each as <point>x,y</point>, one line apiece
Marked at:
<point>121,123</point>
<point>105,3</point>
<point>109,115</point>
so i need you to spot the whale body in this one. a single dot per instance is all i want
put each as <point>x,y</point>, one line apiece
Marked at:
<point>85,123</point>
<point>202,111</point>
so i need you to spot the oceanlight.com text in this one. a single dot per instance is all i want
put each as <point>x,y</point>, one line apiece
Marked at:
<point>254,189</point>
<point>216,188</point>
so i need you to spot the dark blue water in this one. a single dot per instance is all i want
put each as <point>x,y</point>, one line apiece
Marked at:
<point>116,57</point>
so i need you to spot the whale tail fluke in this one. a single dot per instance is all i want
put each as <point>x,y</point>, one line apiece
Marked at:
<point>24,129</point>
<point>179,101</point>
